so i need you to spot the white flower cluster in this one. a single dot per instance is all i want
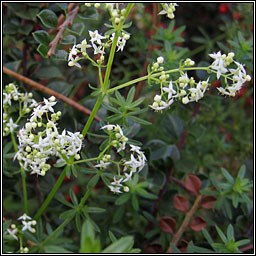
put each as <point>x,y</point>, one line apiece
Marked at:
<point>27,223</point>
<point>78,51</point>
<point>169,9</point>
<point>188,90</point>
<point>238,75</point>
<point>11,93</point>
<point>38,141</point>
<point>168,93</point>
<point>135,164</point>
<point>115,11</point>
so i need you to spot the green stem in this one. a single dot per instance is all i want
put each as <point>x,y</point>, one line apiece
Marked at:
<point>85,160</point>
<point>85,197</point>
<point>113,47</point>
<point>158,74</point>
<point>23,178</point>
<point>24,186</point>
<point>92,115</point>
<point>100,77</point>
<point>58,229</point>
<point>51,195</point>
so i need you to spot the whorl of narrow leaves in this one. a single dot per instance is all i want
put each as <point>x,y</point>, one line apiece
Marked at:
<point>198,223</point>
<point>193,183</point>
<point>167,224</point>
<point>181,203</point>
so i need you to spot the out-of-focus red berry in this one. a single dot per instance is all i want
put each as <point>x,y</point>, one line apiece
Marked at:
<point>216,83</point>
<point>222,129</point>
<point>147,10</point>
<point>241,92</point>
<point>76,189</point>
<point>223,8</point>
<point>162,25</point>
<point>236,16</point>
<point>227,136</point>
<point>66,179</point>
<point>68,198</point>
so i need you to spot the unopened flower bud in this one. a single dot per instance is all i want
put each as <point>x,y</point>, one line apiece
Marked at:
<point>117,20</point>
<point>248,78</point>
<point>157,98</point>
<point>77,156</point>
<point>97,5</point>
<point>126,36</point>
<point>126,189</point>
<point>183,92</point>
<point>52,99</point>
<point>185,100</point>
<point>160,60</point>
<point>13,226</point>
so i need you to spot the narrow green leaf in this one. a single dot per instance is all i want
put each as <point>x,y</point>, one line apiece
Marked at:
<point>241,172</point>
<point>230,232</point>
<point>120,98</point>
<point>110,108</point>
<point>73,197</point>
<point>95,210</point>
<point>123,198</point>
<point>130,96</point>
<point>242,242</point>
<point>135,202</point>
<point>221,234</point>
<point>68,171</point>
<point>68,213</point>
<point>74,170</point>
<point>207,236</point>
<point>55,249</point>
<point>119,246</point>
<point>62,200</point>
<point>226,174</point>
<point>112,236</point>
<point>137,102</point>
<point>78,222</point>
<point>93,181</point>
<point>139,120</point>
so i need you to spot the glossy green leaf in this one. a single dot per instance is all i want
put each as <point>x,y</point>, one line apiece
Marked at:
<point>48,18</point>
<point>43,50</point>
<point>49,72</point>
<point>42,37</point>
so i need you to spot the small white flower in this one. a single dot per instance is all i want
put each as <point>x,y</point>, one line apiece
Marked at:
<point>11,125</point>
<point>27,226</point>
<point>117,182</point>
<point>48,105</point>
<point>170,90</point>
<point>128,176</point>
<point>7,98</point>
<point>96,37</point>
<point>135,149</point>
<point>72,52</point>
<point>115,189</point>
<point>24,217</point>
<point>102,164</point>
<point>12,233</point>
